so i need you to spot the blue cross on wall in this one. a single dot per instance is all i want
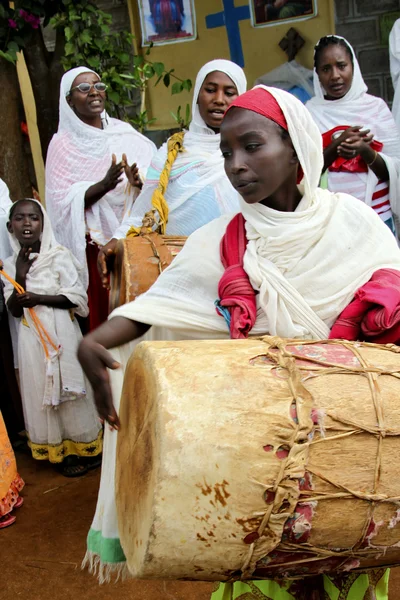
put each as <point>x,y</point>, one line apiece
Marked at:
<point>229,18</point>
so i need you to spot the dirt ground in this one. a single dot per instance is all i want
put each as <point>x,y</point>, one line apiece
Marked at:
<point>40,555</point>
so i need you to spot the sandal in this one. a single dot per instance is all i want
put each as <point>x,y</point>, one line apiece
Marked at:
<point>19,502</point>
<point>72,467</point>
<point>7,520</point>
<point>92,462</point>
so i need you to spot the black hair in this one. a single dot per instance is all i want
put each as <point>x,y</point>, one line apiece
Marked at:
<point>12,209</point>
<point>330,40</point>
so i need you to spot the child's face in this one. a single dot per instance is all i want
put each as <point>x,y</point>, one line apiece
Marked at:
<point>26,223</point>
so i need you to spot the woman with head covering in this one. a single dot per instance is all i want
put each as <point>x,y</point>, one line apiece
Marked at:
<point>92,176</point>
<point>287,264</point>
<point>196,189</point>
<point>60,416</point>
<point>361,140</point>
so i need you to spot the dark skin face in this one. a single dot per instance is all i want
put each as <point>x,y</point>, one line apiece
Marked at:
<point>259,163</point>
<point>26,224</point>
<point>216,94</point>
<point>88,107</point>
<point>335,71</point>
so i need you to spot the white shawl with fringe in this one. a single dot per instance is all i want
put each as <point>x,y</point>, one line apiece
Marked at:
<point>54,272</point>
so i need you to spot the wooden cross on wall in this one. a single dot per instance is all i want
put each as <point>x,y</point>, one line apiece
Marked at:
<point>292,43</point>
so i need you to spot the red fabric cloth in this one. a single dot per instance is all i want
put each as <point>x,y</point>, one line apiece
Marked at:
<point>352,165</point>
<point>374,313</point>
<point>97,295</point>
<point>262,102</point>
<point>234,289</point>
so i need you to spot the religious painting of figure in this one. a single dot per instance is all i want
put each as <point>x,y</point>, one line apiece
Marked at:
<point>275,12</point>
<point>167,21</point>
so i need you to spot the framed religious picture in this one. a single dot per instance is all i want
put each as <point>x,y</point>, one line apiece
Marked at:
<point>167,21</point>
<point>275,12</point>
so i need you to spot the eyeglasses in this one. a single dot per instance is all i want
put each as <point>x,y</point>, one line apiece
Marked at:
<point>85,88</point>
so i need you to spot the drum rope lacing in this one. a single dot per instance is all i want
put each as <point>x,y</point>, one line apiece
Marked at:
<point>277,353</point>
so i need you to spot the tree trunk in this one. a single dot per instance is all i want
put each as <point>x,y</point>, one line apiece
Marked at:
<point>13,158</point>
<point>37,61</point>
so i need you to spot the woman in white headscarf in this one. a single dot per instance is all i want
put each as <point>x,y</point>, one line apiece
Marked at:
<point>287,264</point>
<point>361,140</point>
<point>91,176</point>
<point>60,417</point>
<point>197,189</point>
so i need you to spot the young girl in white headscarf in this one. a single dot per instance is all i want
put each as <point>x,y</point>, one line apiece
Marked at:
<point>91,176</point>
<point>197,189</point>
<point>286,265</point>
<point>60,416</point>
<point>361,140</point>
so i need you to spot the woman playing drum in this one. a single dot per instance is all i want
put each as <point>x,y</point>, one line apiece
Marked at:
<point>288,264</point>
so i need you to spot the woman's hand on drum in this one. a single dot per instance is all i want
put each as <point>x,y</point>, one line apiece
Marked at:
<point>105,261</point>
<point>95,360</point>
<point>114,175</point>
<point>132,173</point>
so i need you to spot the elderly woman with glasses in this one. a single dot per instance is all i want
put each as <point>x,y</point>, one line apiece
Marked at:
<point>93,176</point>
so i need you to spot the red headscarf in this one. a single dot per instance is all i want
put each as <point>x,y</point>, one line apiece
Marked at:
<point>260,101</point>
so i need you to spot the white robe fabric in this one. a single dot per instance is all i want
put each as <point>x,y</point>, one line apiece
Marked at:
<point>394,56</point>
<point>198,189</point>
<point>58,404</point>
<point>306,266</point>
<point>79,156</point>
<point>358,107</point>
<point>5,203</point>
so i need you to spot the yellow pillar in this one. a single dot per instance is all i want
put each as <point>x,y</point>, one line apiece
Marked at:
<point>31,120</point>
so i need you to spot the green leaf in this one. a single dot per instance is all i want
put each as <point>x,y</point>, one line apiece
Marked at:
<point>166,79</point>
<point>68,33</point>
<point>187,85</point>
<point>187,119</point>
<point>158,68</point>
<point>12,47</point>
<point>9,57</point>
<point>113,96</point>
<point>93,61</point>
<point>85,37</point>
<point>176,88</point>
<point>69,48</point>
<point>123,57</point>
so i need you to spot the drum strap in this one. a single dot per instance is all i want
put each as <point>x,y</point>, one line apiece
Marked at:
<point>158,201</point>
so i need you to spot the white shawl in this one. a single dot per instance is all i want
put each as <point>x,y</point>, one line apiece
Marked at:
<point>198,189</point>
<point>305,264</point>
<point>5,203</point>
<point>54,272</point>
<point>394,56</point>
<point>359,108</point>
<point>79,156</point>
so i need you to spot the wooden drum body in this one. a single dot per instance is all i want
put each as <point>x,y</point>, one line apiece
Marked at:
<point>259,458</point>
<point>139,261</point>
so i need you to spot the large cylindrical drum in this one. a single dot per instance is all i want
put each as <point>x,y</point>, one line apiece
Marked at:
<point>138,262</point>
<point>259,458</point>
